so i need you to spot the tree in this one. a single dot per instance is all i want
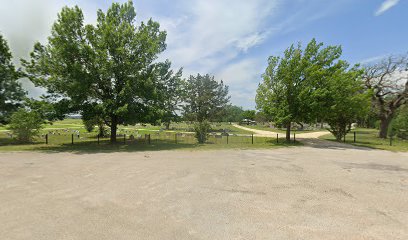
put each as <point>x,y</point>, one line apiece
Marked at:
<point>288,91</point>
<point>249,114</point>
<point>25,125</point>
<point>205,100</point>
<point>261,117</point>
<point>11,92</point>
<point>201,130</point>
<point>106,69</point>
<point>345,100</point>
<point>171,92</point>
<point>388,80</point>
<point>231,113</point>
<point>399,125</point>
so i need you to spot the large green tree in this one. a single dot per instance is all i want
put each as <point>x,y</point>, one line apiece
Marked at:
<point>107,69</point>
<point>171,93</point>
<point>388,81</point>
<point>288,91</point>
<point>11,92</point>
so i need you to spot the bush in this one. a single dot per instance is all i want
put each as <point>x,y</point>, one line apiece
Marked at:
<point>201,130</point>
<point>25,125</point>
<point>89,125</point>
<point>399,126</point>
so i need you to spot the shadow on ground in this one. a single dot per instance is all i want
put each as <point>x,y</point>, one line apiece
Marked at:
<point>328,144</point>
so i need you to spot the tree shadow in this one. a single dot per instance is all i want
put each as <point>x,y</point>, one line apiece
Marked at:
<point>333,144</point>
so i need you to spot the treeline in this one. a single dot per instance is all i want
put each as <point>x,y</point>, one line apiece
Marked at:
<point>107,72</point>
<point>313,84</point>
<point>110,74</point>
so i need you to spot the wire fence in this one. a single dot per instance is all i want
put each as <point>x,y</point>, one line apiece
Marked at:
<point>154,138</point>
<point>66,137</point>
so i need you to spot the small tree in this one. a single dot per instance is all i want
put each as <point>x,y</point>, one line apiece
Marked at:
<point>399,125</point>
<point>25,125</point>
<point>249,114</point>
<point>205,100</point>
<point>231,114</point>
<point>201,130</point>
<point>344,100</point>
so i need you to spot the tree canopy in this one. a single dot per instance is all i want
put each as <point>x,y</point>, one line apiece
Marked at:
<point>388,81</point>
<point>288,92</point>
<point>205,98</point>
<point>11,92</point>
<point>306,85</point>
<point>106,70</point>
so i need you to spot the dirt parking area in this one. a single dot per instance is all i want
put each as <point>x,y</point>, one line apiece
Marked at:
<point>289,193</point>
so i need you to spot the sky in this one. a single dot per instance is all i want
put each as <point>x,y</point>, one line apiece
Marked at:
<point>231,39</point>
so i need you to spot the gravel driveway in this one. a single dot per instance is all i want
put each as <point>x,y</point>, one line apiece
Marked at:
<point>329,192</point>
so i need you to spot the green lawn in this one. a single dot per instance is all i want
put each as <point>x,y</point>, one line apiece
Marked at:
<point>369,138</point>
<point>60,138</point>
<point>158,141</point>
<point>175,127</point>
<point>278,130</point>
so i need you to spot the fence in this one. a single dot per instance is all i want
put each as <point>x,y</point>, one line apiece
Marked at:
<point>152,138</point>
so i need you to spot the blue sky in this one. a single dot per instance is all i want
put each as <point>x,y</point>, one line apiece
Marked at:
<point>232,39</point>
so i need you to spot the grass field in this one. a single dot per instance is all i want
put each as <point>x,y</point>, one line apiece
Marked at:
<point>61,134</point>
<point>369,138</point>
<point>278,130</point>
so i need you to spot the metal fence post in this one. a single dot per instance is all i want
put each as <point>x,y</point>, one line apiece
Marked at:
<point>72,139</point>
<point>46,138</point>
<point>98,138</point>
<point>149,138</point>
<point>354,137</point>
<point>252,138</point>
<point>277,138</point>
<point>175,137</point>
<point>124,138</point>
<point>227,138</point>
<point>294,137</point>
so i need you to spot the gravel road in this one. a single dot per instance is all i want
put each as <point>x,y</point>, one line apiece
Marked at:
<point>312,192</point>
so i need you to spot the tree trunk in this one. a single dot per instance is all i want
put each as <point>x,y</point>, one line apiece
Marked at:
<point>167,125</point>
<point>114,128</point>
<point>385,123</point>
<point>101,130</point>
<point>288,132</point>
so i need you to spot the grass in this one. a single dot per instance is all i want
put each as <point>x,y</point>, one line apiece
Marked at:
<point>164,142</point>
<point>60,139</point>
<point>369,138</point>
<point>278,130</point>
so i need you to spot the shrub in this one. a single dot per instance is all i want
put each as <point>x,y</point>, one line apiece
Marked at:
<point>89,125</point>
<point>201,130</point>
<point>25,125</point>
<point>399,126</point>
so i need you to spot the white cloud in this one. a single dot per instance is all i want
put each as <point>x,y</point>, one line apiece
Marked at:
<point>243,77</point>
<point>385,6</point>
<point>204,36</point>
<point>214,32</point>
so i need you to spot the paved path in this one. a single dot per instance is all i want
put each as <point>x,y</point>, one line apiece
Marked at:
<point>320,192</point>
<point>264,133</point>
